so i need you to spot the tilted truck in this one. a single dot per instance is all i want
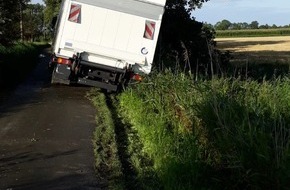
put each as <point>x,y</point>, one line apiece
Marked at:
<point>105,43</point>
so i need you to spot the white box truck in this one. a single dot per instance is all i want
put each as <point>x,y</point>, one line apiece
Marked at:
<point>104,43</point>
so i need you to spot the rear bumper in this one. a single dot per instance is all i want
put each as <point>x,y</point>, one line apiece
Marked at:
<point>98,84</point>
<point>90,74</point>
<point>102,67</point>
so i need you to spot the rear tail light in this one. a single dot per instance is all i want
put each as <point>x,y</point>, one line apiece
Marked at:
<point>136,77</point>
<point>64,61</point>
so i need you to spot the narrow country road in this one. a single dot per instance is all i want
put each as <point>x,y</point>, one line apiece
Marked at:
<point>46,136</point>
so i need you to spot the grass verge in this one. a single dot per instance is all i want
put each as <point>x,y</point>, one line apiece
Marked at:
<point>108,165</point>
<point>119,158</point>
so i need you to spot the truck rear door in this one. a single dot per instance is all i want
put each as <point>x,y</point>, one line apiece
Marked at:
<point>111,32</point>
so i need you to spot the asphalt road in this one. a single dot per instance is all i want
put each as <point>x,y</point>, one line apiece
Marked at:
<point>46,136</point>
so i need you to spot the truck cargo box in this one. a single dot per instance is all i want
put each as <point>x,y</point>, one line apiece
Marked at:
<point>106,37</point>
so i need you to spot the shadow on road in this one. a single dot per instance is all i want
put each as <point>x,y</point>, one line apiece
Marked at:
<point>12,158</point>
<point>13,97</point>
<point>60,182</point>
<point>63,178</point>
<point>46,135</point>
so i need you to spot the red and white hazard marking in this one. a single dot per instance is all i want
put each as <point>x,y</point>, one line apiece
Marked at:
<point>149,30</point>
<point>74,15</point>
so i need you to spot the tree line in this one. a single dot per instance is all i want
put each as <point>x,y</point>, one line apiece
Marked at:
<point>20,20</point>
<point>227,25</point>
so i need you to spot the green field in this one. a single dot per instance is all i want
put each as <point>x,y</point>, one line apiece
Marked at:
<point>253,33</point>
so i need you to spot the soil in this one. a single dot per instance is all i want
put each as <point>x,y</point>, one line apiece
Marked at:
<point>253,44</point>
<point>46,135</point>
<point>273,50</point>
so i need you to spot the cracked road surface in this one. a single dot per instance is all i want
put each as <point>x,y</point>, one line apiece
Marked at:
<point>46,136</point>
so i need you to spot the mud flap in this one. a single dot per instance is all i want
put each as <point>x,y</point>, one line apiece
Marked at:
<point>60,75</point>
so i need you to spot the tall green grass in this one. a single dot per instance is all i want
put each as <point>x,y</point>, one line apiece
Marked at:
<point>218,134</point>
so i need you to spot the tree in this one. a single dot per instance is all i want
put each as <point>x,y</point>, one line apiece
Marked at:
<point>51,10</point>
<point>254,25</point>
<point>244,25</point>
<point>10,14</point>
<point>22,5</point>
<point>184,42</point>
<point>7,15</point>
<point>188,5</point>
<point>266,26</point>
<point>208,25</point>
<point>236,26</point>
<point>223,25</point>
<point>33,21</point>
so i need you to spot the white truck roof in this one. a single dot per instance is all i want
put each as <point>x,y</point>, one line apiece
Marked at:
<point>143,8</point>
<point>157,2</point>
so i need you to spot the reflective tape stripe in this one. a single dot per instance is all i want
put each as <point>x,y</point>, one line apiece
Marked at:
<point>149,30</point>
<point>74,14</point>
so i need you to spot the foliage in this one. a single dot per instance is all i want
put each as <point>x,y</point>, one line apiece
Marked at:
<point>189,5</point>
<point>184,42</point>
<point>51,9</point>
<point>227,25</point>
<point>19,21</point>
<point>223,25</point>
<point>254,25</point>
<point>9,20</point>
<point>33,21</point>
<point>217,134</point>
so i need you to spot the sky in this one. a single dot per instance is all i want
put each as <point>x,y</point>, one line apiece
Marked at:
<point>37,1</point>
<point>264,11</point>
